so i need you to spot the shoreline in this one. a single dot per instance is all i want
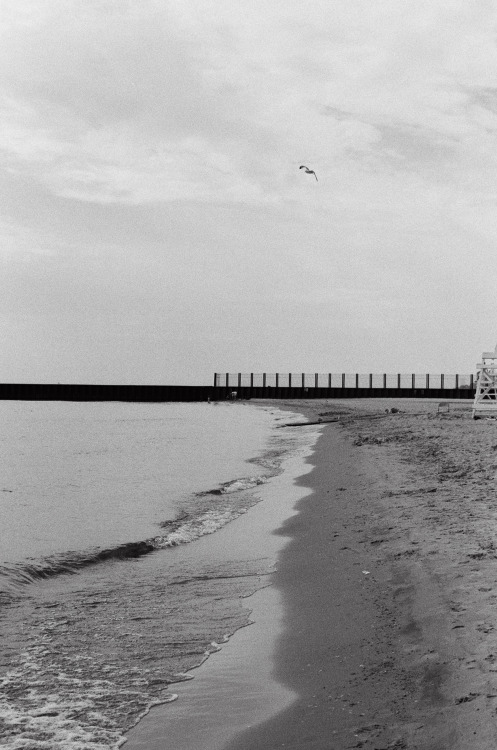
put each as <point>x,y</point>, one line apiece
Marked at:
<point>331,614</point>
<point>234,687</point>
<point>390,639</point>
<point>388,578</point>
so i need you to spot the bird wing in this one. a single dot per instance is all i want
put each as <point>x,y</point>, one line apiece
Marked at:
<point>309,171</point>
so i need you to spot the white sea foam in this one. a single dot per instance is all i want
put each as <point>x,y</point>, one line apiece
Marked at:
<point>182,676</point>
<point>65,712</point>
<point>247,483</point>
<point>207,523</point>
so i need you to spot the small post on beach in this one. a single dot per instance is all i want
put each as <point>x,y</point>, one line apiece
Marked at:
<point>427,380</point>
<point>413,378</point>
<point>343,380</point>
<point>398,380</point>
<point>251,380</point>
<point>303,380</point>
<point>227,380</point>
<point>457,382</point>
<point>329,380</point>
<point>357,380</point>
<point>277,379</point>
<point>316,379</point>
<point>370,379</point>
<point>215,379</point>
<point>442,381</point>
<point>384,380</point>
<point>263,379</point>
<point>289,379</point>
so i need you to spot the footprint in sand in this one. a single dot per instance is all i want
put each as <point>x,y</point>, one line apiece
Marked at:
<point>467,698</point>
<point>484,627</point>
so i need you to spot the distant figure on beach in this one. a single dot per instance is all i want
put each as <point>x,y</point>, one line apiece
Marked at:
<point>309,171</point>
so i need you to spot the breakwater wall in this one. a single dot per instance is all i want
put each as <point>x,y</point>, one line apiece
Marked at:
<point>238,390</point>
<point>343,385</point>
<point>70,392</point>
<point>221,392</point>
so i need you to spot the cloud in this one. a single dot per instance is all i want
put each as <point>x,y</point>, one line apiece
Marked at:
<point>106,105</point>
<point>158,143</point>
<point>146,101</point>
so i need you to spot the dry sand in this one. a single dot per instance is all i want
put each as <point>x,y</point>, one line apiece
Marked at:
<point>389,581</point>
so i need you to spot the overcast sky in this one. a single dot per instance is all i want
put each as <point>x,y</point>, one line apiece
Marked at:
<point>155,226</point>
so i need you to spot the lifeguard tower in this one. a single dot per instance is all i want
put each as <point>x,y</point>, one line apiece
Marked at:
<point>485,403</point>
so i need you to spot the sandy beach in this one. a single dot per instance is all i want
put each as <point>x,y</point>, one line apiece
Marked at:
<point>386,584</point>
<point>389,584</point>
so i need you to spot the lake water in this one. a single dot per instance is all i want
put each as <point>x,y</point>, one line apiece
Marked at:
<point>99,613</point>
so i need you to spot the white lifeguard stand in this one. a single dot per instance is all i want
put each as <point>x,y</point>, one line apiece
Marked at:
<point>485,403</point>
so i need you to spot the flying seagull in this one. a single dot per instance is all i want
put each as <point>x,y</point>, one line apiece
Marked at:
<point>309,171</point>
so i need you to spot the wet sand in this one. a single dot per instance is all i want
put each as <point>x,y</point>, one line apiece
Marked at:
<point>389,583</point>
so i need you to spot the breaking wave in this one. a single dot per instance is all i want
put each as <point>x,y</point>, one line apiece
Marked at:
<point>236,485</point>
<point>187,528</point>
